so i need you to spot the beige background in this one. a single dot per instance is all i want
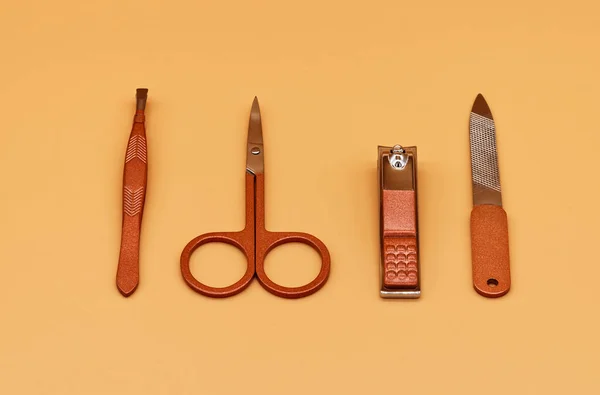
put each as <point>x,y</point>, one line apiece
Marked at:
<point>335,79</point>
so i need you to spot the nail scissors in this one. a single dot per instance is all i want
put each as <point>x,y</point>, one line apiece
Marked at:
<point>255,241</point>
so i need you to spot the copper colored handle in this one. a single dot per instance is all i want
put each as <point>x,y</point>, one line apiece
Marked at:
<point>400,249</point>
<point>489,250</point>
<point>134,195</point>
<point>241,240</point>
<point>128,269</point>
<point>267,241</point>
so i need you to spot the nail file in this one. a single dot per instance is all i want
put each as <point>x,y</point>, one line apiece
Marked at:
<point>489,224</point>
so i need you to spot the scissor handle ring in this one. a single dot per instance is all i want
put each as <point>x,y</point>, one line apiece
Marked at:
<point>236,239</point>
<point>271,240</point>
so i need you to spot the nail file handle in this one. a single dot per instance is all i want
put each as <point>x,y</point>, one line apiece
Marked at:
<point>489,250</point>
<point>134,195</point>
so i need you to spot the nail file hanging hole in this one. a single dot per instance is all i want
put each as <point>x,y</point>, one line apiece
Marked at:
<point>255,151</point>
<point>218,264</point>
<point>292,264</point>
<point>492,282</point>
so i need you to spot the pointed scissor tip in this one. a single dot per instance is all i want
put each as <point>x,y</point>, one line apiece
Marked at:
<point>481,107</point>
<point>255,113</point>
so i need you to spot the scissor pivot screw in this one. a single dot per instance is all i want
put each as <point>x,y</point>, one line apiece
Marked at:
<point>255,151</point>
<point>398,158</point>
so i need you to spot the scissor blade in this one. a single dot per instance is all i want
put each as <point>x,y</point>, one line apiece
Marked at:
<point>484,157</point>
<point>255,154</point>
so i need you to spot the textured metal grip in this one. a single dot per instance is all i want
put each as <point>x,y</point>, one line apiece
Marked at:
<point>489,249</point>
<point>400,264</point>
<point>399,239</point>
<point>134,193</point>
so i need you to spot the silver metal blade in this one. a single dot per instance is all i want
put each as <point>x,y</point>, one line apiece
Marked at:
<point>255,155</point>
<point>484,156</point>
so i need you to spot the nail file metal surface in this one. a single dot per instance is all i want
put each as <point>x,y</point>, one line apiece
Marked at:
<point>484,155</point>
<point>489,225</point>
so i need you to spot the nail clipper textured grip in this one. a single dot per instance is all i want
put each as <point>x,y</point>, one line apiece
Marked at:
<point>489,250</point>
<point>134,193</point>
<point>400,239</point>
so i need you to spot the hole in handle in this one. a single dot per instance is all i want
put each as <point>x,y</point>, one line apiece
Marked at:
<point>492,282</point>
<point>292,264</point>
<point>218,264</point>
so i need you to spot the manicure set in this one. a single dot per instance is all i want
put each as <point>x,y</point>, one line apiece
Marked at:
<point>398,218</point>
